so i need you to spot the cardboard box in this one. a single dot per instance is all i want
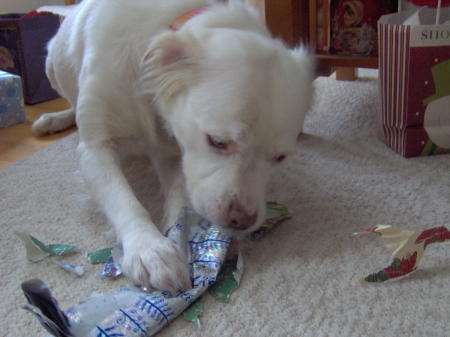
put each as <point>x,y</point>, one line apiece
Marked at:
<point>23,49</point>
<point>12,110</point>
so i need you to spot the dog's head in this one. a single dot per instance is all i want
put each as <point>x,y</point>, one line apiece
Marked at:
<point>235,101</point>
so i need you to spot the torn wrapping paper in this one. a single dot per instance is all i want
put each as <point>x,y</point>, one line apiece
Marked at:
<point>275,213</point>
<point>408,248</point>
<point>112,268</point>
<point>134,312</point>
<point>100,256</point>
<point>112,256</point>
<point>228,279</point>
<point>37,251</point>
<point>42,304</point>
<point>194,310</point>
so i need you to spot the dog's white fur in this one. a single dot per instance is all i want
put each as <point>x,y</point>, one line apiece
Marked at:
<point>216,105</point>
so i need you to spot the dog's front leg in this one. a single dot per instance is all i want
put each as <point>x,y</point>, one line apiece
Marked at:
<point>150,259</point>
<point>171,179</point>
<point>175,200</point>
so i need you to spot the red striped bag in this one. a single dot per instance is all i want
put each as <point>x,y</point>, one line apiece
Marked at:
<point>414,81</point>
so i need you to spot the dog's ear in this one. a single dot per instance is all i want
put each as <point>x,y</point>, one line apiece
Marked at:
<point>170,65</point>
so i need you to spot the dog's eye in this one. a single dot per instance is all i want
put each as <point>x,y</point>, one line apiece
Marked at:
<point>217,143</point>
<point>279,159</point>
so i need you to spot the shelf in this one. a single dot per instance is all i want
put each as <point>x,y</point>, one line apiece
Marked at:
<point>352,61</point>
<point>295,22</point>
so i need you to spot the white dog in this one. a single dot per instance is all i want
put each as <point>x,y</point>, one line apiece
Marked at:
<point>210,96</point>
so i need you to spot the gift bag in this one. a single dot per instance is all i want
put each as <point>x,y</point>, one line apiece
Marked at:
<point>23,43</point>
<point>414,80</point>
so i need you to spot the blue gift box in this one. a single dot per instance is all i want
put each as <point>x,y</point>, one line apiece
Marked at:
<point>12,107</point>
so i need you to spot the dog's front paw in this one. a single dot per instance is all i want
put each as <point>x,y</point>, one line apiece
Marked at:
<point>156,263</point>
<point>51,123</point>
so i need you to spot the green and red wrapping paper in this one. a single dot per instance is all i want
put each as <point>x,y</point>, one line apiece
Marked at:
<point>407,247</point>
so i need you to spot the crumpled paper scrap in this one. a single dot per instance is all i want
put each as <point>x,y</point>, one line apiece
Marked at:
<point>408,248</point>
<point>113,266</point>
<point>229,276</point>
<point>230,273</point>
<point>36,250</point>
<point>112,256</point>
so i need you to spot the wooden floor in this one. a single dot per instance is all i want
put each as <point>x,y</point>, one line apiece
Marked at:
<point>17,141</point>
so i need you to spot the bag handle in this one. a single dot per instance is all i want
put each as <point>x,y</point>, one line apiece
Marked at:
<point>438,12</point>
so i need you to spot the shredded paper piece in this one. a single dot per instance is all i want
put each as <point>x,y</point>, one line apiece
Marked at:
<point>77,270</point>
<point>100,256</point>
<point>407,247</point>
<point>37,251</point>
<point>275,213</point>
<point>113,266</point>
<point>194,310</point>
<point>228,279</point>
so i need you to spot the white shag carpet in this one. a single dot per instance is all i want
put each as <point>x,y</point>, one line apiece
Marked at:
<point>302,278</point>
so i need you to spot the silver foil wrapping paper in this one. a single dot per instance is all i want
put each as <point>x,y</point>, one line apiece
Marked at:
<point>134,312</point>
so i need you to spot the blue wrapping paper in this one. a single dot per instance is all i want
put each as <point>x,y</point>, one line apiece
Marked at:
<point>134,312</point>
<point>12,108</point>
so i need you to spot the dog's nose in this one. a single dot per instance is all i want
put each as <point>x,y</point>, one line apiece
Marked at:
<point>240,219</point>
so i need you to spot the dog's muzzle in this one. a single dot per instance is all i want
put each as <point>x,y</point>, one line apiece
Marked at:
<point>239,218</point>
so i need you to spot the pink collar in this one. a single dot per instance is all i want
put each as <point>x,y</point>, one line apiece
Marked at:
<point>178,23</point>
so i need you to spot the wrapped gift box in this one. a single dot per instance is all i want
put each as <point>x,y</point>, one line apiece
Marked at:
<point>23,43</point>
<point>12,110</point>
